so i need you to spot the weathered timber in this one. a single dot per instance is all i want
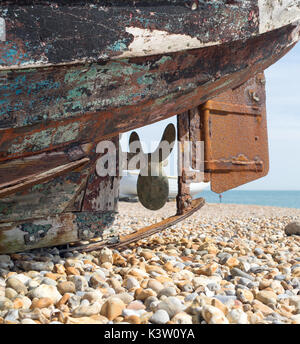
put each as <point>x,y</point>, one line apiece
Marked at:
<point>43,198</point>
<point>102,193</point>
<point>20,169</point>
<point>124,240</point>
<point>45,109</point>
<point>55,230</point>
<point>183,199</point>
<point>23,183</point>
<point>40,32</point>
<point>101,30</point>
<point>76,204</point>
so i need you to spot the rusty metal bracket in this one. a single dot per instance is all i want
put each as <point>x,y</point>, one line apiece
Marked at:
<point>234,131</point>
<point>223,166</point>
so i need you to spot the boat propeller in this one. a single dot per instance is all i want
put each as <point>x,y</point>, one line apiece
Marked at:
<point>152,183</point>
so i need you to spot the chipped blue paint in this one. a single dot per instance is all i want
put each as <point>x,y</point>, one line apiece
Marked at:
<point>11,54</point>
<point>119,45</point>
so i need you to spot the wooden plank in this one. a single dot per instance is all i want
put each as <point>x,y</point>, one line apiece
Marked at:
<point>54,230</point>
<point>102,193</point>
<point>45,198</point>
<point>90,103</point>
<point>28,181</point>
<point>90,31</point>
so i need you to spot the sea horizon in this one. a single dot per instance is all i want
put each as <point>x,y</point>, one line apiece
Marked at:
<point>274,198</point>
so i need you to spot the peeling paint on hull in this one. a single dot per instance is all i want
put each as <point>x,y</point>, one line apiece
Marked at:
<point>277,13</point>
<point>53,230</point>
<point>90,31</point>
<point>45,109</point>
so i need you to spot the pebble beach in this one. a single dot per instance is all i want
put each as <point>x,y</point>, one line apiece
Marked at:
<point>226,264</point>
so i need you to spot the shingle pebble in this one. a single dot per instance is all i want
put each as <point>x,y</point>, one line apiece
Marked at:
<point>229,264</point>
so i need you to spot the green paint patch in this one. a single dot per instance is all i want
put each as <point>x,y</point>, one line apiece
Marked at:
<point>31,228</point>
<point>34,142</point>
<point>66,133</point>
<point>163,60</point>
<point>43,139</point>
<point>91,225</point>
<point>146,79</point>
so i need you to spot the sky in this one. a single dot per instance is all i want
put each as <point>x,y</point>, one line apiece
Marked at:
<point>283,117</point>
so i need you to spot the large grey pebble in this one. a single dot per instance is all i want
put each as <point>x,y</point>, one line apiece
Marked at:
<point>86,310</point>
<point>160,317</point>
<point>17,285</point>
<point>132,282</point>
<point>128,312</point>
<point>45,290</point>
<point>6,262</point>
<point>225,298</point>
<point>12,315</point>
<point>230,292</point>
<point>258,251</point>
<point>74,302</point>
<point>168,291</point>
<point>244,281</point>
<point>36,266</point>
<point>5,304</point>
<point>172,305</point>
<point>237,272</point>
<point>125,297</point>
<point>92,296</point>
<point>10,293</point>
<point>149,300</point>
<point>292,228</point>
<point>213,286</point>
<point>28,322</point>
<point>190,297</point>
<point>80,282</point>
<point>48,281</point>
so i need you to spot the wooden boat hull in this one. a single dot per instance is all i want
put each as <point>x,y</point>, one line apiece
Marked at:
<point>55,230</point>
<point>39,33</point>
<point>54,107</point>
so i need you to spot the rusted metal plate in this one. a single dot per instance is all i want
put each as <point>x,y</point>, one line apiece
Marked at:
<point>43,109</point>
<point>234,128</point>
